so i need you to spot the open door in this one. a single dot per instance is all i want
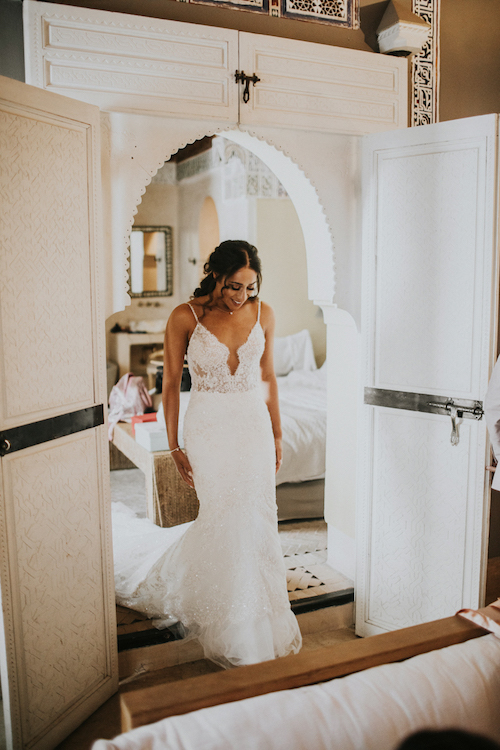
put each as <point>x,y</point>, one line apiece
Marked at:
<point>429,332</point>
<point>58,650</point>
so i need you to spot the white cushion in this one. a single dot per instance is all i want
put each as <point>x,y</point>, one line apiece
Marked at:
<point>294,352</point>
<point>458,687</point>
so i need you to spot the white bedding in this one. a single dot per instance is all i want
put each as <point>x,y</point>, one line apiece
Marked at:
<point>455,687</point>
<point>302,396</point>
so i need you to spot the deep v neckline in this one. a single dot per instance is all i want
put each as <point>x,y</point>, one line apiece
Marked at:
<point>239,348</point>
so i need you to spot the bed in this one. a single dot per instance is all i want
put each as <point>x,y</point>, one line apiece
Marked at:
<point>437,675</point>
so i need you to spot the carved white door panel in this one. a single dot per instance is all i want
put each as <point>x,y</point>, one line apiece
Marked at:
<point>318,87</point>
<point>429,270</point>
<point>110,59</point>
<point>58,653</point>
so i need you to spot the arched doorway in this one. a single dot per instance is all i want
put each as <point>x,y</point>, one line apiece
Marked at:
<point>145,147</point>
<point>145,143</point>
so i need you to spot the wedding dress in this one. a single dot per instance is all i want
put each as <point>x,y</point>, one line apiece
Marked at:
<point>221,576</point>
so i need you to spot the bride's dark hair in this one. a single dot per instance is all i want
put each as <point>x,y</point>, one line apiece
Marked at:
<point>225,260</point>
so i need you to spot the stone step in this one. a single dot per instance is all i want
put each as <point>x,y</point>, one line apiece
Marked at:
<point>335,613</point>
<point>339,614</point>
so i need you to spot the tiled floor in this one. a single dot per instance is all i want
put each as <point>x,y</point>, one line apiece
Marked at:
<point>305,553</point>
<point>128,486</point>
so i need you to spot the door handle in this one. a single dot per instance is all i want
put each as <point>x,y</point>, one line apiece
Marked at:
<point>422,402</point>
<point>454,437</point>
<point>457,411</point>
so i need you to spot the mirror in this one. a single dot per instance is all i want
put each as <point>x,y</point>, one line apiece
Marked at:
<point>208,192</point>
<point>150,262</point>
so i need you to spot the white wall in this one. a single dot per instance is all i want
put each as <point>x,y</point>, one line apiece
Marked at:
<point>192,193</point>
<point>281,246</point>
<point>341,440</point>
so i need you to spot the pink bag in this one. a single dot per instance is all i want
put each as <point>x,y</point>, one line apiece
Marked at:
<point>127,398</point>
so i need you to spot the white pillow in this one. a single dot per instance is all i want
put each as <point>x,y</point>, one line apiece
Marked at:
<point>294,352</point>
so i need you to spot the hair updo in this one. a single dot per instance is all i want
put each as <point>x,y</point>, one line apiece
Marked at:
<point>228,258</point>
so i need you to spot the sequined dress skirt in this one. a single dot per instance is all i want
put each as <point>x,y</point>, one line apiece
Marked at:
<point>222,576</point>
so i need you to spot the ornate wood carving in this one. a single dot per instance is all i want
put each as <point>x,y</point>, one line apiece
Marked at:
<point>425,67</point>
<point>337,12</point>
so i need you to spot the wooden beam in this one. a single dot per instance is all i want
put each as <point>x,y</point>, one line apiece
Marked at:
<point>147,705</point>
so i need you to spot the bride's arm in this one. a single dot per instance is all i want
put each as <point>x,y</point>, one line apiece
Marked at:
<point>269,379</point>
<point>176,341</point>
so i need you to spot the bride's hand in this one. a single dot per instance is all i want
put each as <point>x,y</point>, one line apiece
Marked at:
<point>278,443</point>
<point>183,467</point>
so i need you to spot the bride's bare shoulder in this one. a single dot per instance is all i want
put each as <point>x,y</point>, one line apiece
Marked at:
<point>182,315</point>
<point>266,314</point>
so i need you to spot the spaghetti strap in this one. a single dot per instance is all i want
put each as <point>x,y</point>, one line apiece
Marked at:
<point>192,310</point>
<point>258,314</point>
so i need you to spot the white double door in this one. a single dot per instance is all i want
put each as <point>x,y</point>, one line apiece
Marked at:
<point>430,281</point>
<point>428,328</point>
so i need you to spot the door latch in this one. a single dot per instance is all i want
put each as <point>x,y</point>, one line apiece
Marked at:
<point>457,412</point>
<point>240,76</point>
<point>5,445</point>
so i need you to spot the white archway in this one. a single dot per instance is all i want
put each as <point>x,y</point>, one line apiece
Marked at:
<point>317,234</point>
<point>138,147</point>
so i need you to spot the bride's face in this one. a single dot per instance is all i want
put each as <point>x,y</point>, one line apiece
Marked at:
<point>236,289</point>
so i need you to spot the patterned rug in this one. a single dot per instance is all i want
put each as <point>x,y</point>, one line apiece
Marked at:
<point>304,545</point>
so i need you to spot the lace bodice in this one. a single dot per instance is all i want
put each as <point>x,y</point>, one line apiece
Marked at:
<point>208,366</point>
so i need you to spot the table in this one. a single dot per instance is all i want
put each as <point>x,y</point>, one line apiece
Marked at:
<point>169,500</point>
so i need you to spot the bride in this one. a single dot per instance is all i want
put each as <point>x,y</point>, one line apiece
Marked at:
<point>222,576</point>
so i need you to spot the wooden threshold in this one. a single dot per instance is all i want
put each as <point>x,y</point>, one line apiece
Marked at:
<point>147,705</point>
